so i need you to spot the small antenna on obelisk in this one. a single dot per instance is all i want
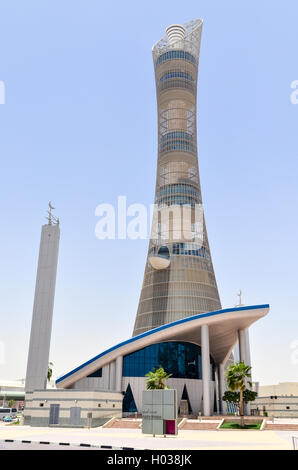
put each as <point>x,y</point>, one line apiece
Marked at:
<point>51,218</point>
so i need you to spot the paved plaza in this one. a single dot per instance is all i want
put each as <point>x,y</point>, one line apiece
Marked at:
<point>186,439</point>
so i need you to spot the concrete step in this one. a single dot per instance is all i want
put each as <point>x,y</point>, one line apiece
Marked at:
<point>281,427</point>
<point>199,426</point>
<point>125,424</point>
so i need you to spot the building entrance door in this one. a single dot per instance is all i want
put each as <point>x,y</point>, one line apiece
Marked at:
<point>54,414</point>
<point>75,415</point>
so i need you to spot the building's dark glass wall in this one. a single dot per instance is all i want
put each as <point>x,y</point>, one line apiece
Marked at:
<point>181,359</point>
<point>97,373</point>
<point>129,404</point>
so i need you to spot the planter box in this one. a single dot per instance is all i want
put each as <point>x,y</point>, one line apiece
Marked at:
<point>247,421</point>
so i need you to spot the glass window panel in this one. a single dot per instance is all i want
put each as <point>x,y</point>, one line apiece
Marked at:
<point>181,359</point>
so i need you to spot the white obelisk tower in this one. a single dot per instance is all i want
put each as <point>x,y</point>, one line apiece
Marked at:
<point>41,326</point>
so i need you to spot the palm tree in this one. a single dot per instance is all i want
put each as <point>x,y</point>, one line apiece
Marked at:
<point>237,377</point>
<point>50,371</point>
<point>156,379</point>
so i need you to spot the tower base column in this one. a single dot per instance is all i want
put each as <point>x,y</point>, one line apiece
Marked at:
<point>205,369</point>
<point>222,388</point>
<point>119,364</point>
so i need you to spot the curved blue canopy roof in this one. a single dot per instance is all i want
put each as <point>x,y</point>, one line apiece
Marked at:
<point>160,328</point>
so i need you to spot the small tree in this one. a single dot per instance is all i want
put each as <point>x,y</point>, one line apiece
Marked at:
<point>237,376</point>
<point>11,403</point>
<point>234,397</point>
<point>50,371</point>
<point>156,379</point>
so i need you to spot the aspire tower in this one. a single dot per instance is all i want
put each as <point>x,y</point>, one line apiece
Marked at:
<point>179,279</point>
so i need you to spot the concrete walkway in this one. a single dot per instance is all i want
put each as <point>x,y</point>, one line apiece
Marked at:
<point>134,438</point>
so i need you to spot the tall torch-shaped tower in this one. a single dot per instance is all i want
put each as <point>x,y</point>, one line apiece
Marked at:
<point>179,279</point>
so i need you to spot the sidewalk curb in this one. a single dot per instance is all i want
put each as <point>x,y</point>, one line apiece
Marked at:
<point>72,444</point>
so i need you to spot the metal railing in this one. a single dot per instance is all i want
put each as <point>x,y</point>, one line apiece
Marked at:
<point>295,442</point>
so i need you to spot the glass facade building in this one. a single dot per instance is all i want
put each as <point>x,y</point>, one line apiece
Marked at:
<point>187,286</point>
<point>182,360</point>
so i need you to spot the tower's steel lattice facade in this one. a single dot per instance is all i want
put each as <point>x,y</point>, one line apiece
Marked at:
<point>179,279</point>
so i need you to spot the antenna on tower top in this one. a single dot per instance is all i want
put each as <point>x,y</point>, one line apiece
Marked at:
<point>51,218</point>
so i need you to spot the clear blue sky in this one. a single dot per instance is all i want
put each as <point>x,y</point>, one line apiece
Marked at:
<point>79,128</point>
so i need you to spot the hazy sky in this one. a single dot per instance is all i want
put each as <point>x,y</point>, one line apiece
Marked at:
<point>78,127</point>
